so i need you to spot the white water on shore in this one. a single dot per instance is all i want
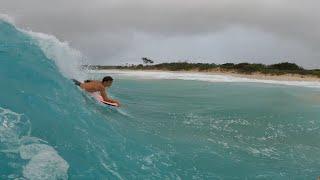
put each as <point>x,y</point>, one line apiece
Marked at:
<point>198,76</point>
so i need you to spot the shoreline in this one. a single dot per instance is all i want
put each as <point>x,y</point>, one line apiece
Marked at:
<point>254,76</point>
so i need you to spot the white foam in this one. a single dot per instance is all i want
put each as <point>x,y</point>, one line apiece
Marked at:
<point>203,77</point>
<point>30,150</point>
<point>12,128</point>
<point>68,60</point>
<point>7,18</point>
<point>44,161</point>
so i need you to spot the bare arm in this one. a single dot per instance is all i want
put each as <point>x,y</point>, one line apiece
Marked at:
<point>105,97</point>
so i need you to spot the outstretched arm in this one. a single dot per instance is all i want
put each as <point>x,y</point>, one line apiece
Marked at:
<point>105,97</point>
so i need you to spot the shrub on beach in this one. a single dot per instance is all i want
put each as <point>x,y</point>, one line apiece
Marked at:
<point>244,68</point>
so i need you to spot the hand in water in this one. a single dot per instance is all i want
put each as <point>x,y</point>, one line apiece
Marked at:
<point>118,103</point>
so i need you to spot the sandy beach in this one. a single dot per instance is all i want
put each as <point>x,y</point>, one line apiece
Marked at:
<point>254,76</point>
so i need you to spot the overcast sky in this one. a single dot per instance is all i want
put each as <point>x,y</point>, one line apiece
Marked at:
<point>123,31</point>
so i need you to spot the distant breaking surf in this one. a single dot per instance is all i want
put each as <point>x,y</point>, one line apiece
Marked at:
<point>204,77</point>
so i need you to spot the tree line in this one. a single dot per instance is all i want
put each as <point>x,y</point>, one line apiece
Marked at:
<point>244,68</point>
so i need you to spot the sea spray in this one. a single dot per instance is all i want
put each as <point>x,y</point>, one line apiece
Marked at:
<point>69,60</point>
<point>167,128</point>
<point>35,69</point>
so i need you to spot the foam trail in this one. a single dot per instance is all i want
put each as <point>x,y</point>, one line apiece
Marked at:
<point>243,131</point>
<point>44,161</point>
<point>203,77</point>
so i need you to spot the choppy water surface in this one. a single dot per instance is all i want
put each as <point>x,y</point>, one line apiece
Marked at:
<point>167,128</point>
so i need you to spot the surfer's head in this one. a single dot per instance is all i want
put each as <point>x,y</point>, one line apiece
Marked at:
<point>107,81</point>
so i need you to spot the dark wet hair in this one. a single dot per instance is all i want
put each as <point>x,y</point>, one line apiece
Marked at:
<point>107,78</point>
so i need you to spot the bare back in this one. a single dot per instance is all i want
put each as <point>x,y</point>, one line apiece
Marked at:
<point>93,86</point>
<point>98,86</point>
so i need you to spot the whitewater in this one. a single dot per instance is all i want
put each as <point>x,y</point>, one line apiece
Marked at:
<point>202,77</point>
<point>171,125</point>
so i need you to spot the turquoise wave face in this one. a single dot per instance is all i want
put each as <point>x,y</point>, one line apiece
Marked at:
<point>166,129</point>
<point>46,117</point>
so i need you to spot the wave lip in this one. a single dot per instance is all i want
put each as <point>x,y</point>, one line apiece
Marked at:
<point>204,77</point>
<point>31,64</point>
<point>68,59</point>
<point>7,18</point>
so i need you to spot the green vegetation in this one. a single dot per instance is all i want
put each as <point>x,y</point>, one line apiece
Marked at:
<point>243,68</point>
<point>147,61</point>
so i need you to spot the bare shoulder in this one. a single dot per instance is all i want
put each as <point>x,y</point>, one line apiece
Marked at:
<point>100,86</point>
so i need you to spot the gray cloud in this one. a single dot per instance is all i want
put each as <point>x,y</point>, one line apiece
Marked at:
<point>118,31</point>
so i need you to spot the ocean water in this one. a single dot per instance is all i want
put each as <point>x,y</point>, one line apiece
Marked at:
<point>171,126</point>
